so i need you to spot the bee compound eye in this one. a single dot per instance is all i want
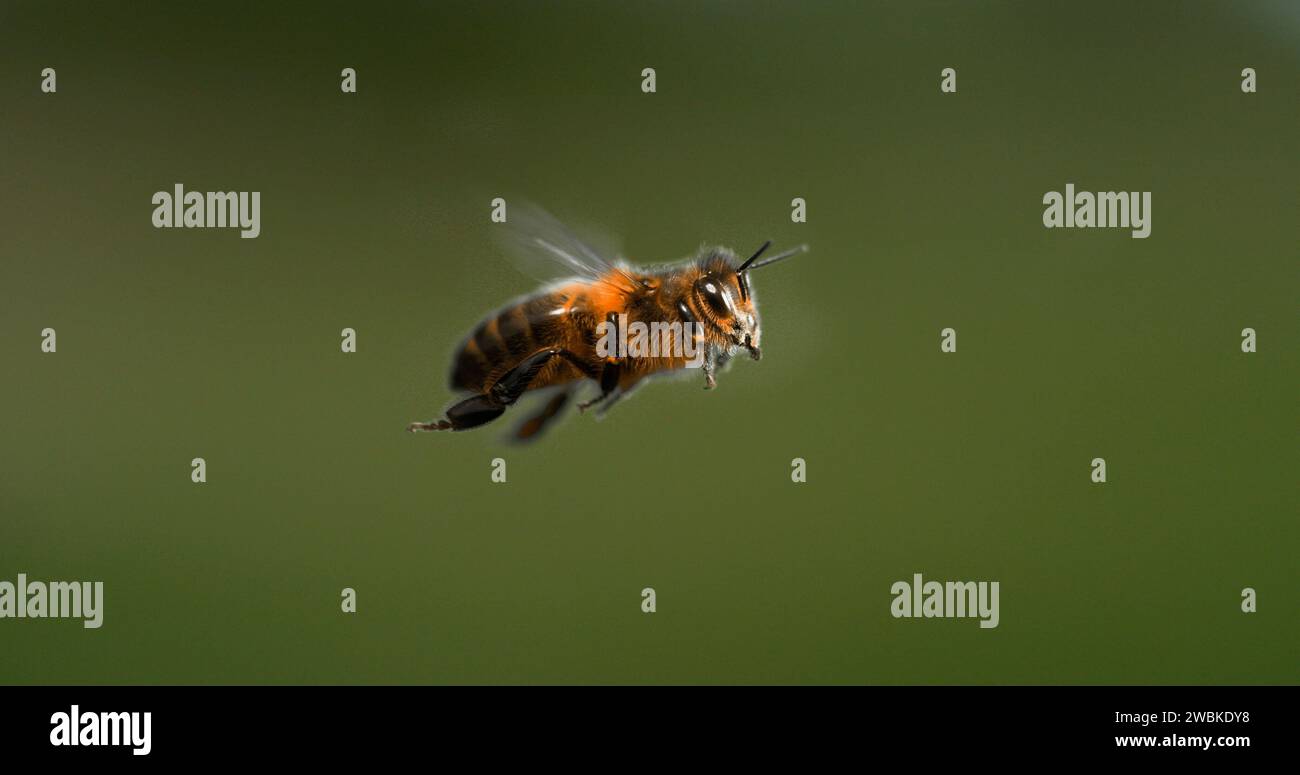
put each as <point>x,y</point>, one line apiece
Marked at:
<point>712,292</point>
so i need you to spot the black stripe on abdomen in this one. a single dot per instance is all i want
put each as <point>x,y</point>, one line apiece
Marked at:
<point>489,343</point>
<point>469,370</point>
<point>515,332</point>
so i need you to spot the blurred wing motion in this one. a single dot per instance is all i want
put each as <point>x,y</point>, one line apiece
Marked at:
<point>547,250</point>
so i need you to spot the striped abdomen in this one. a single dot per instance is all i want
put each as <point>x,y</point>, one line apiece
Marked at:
<point>504,339</point>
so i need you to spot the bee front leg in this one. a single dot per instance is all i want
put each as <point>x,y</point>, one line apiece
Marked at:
<point>710,382</point>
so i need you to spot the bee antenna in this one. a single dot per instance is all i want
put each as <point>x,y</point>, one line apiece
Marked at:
<point>792,252</point>
<point>757,253</point>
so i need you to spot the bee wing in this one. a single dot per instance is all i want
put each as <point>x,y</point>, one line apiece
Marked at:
<point>545,249</point>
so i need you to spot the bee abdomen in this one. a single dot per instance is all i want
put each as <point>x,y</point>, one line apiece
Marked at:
<point>470,368</point>
<point>515,332</point>
<point>503,340</point>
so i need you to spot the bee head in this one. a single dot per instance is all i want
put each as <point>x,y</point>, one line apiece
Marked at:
<point>722,292</point>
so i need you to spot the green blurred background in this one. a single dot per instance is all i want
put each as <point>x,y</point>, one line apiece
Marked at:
<point>924,211</point>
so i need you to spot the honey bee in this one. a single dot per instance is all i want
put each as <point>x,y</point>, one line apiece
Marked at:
<point>561,335</point>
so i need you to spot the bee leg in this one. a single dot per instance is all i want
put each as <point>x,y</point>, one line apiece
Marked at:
<point>470,413</point>
<point>532,427</point>
<point>608,384</point>
<point>610,372</point>
<point>710,382</point>
<point>487,406</point>
<point>513,383</point>
<point>613,399</point>
<point>617,396</point>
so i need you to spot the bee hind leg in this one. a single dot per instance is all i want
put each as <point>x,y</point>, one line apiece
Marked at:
<point>491,404</point>
<point>470,413</point>
<point>532,428</point>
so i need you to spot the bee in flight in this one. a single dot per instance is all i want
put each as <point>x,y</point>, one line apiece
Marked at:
<point>576,329</point>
